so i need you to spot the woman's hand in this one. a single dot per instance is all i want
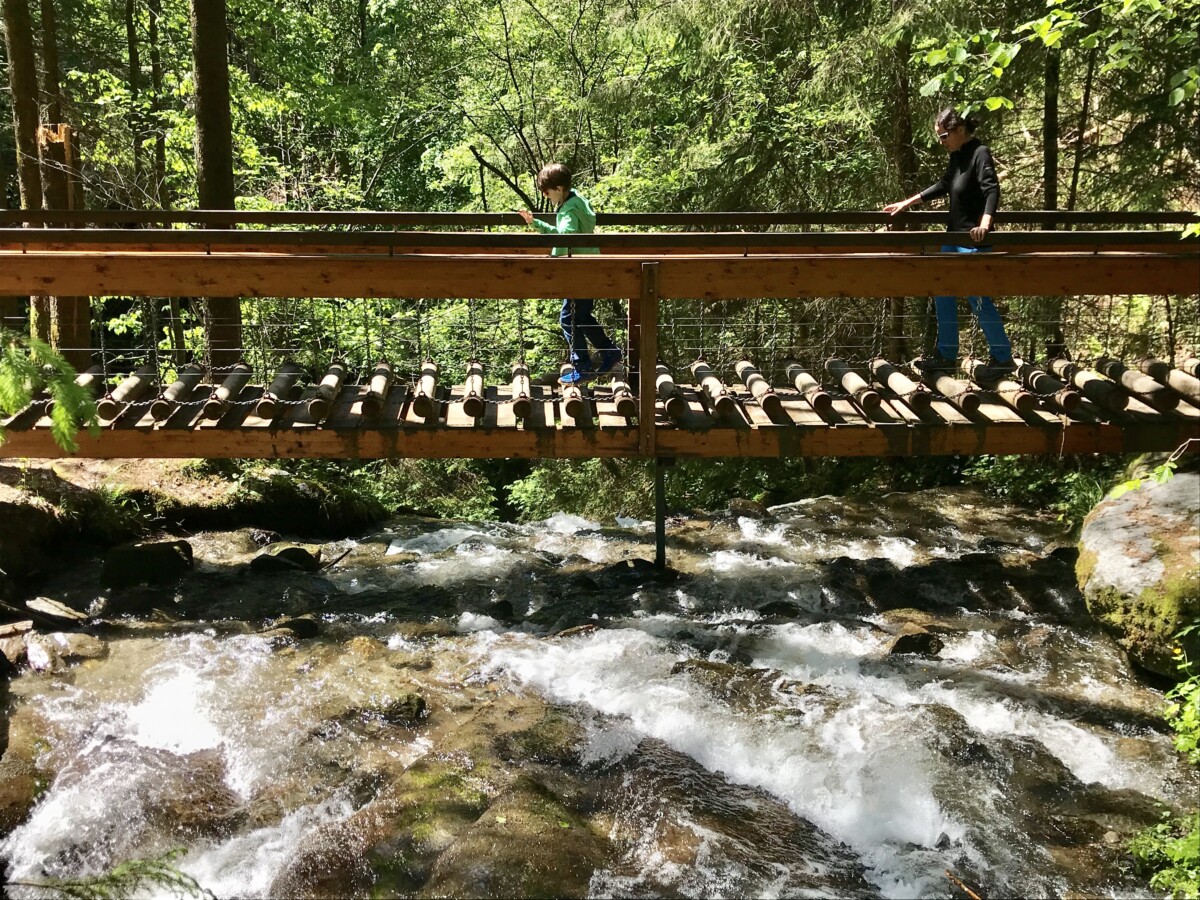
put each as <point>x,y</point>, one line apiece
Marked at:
<point>980,231</point>
<point>526,215</point>
<point>894,208</point>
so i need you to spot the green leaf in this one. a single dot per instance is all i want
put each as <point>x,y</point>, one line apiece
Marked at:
<point>932,86</point>
<point>1177,96</point>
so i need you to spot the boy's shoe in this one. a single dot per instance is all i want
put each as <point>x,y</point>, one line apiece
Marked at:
<point>608,361</point>
<point>575,376</point>
<point>933,365</point>
<point>994,369</point>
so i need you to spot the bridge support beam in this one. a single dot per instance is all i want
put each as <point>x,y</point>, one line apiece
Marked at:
<point>660,511</point>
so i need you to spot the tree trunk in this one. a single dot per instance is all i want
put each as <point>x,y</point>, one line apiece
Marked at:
<point>161,192</point>
<point>214,158</point>
<point>135,117</point>
<point>1084,109</point>
<point>22,77</point>
<point>1050,129</point>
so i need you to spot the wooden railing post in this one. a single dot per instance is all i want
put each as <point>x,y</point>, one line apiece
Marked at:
<point>647,357</point>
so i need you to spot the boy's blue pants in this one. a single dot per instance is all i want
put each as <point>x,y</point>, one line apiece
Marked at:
<point>985,311</point>
<point>580,328</point>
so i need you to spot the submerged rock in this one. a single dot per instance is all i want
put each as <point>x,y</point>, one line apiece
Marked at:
<point>281,557</point>
<point>164,562</point>
<point>915,640</point>
<point>1139,569</point>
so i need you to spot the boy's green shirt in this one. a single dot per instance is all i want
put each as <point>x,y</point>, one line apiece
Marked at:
<point>575,216</point>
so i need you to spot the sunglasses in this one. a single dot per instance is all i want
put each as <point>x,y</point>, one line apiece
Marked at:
<point>942,136</point>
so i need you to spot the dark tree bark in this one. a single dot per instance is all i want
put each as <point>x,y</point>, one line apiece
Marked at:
<point>22,75</point>
<point>135,93</point>
<point>1050,129</point>
<point>51,78</point>
<point>1084,109</point>
<point>214,157</point>
<point>22,79</point>
<point>161,192</point>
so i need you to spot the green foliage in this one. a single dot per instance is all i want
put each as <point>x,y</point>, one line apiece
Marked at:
<point>1070,486</point>
<point>1183,704</point>
<point>28,367</point>
<point>594,488</point>
<point>1170,854</point>
<point>126,880</point>
<point>1158,475</point>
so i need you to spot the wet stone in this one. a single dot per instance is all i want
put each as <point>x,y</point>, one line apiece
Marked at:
<point>287,558</point>
<point>164,562</point>
<point>915,640</point>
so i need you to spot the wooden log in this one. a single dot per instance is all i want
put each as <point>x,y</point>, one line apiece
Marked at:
<point>331,385</point>
<point>957,392</point>
<point>1103,393</point>
<point>1177,379</point>
<point>668,392</point>
<point>180,390</point>
<point>91,381</point>
<point>378,388</point>
<point>1007,389</point>
<point>722,401</point>
<point>1048,387</point>
<point>1141,386</point>
<point>425,399</point>
<point>132,389</point>
<point>230,389</point>
<point>574,404</point>
<point>522,406</point>
<point>912,393</point>
<point>279,391</point>
<point>472,403</point>
<point>759,387</point>
<point>1191,366</point>
<point>854,384</point>
<point>808,386</point>
<point>622,396</point>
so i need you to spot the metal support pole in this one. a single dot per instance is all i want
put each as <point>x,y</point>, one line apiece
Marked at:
<point>660,512</point>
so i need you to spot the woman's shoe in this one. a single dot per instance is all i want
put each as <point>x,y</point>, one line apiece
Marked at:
<point>933,365</point>
<point>575,376</point>
<point>608,361</point>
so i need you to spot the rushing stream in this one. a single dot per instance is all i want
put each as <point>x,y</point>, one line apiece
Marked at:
<point>736,727</point>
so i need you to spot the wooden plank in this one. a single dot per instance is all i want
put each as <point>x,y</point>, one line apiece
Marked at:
<point>690,277</point>
<point>647,350</point>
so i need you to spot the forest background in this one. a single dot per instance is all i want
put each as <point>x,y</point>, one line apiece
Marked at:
<point>669,105</point>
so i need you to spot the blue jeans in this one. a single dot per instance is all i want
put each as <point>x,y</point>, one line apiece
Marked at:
<point>985,311</point>
<point>580,328</point>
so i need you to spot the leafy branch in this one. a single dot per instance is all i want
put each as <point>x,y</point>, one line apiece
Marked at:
<point>27,367</point>
<point>125,879</point>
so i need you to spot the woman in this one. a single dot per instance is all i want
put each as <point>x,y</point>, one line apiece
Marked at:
<point>974,191</point>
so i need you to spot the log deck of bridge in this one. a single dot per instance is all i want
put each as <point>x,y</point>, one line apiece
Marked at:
<point>643,268</point>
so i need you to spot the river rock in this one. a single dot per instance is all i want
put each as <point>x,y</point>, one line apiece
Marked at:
<point>915,640</point>
<point>18,789</point>
<point>42,654</point>
<point>54,610</point>
<point>74,646</point>
<point>740,507</point>
<point>407,709</point>
<point>164,562</point>
<point>527,844</point>
<point>287,558</point>
<point>1139,569</point>
<point>556,739</point>
<point>300,627</point>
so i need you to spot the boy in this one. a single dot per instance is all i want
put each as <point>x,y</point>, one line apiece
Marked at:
<point>579,325</point>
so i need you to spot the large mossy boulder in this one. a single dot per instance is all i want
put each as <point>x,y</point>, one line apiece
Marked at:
<point>1139,569</point>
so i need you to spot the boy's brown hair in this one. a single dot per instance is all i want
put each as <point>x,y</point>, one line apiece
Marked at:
<point>553,176</point>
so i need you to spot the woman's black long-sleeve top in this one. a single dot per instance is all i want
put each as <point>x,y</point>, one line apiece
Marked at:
<point>971,182</point>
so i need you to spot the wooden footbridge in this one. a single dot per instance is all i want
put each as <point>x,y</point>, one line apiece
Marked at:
<point>728,403</point>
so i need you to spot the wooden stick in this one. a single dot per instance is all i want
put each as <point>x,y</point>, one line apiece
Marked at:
<point>279,391</point>
<point>1048,387</point>
<point>722,401</point>
<point>573,403</point>
<point>915,395</point>
<point>331,384</point>
<point>972,895</point>
<point>1102,393</point>
<point>854,384</point>
<point>180,389</point>
<point>522,406</point>
<point>668,392</point>
<point>1178,379</point>
<point>378,388</point>
<point>1142,386</point>
<point>759,387</point>
<point>1008,390</point>
<point>425,401</point>
<point>808,386</point>
<point>622,396</point>
<point>957,392</point>
<point>132,389</point>
<point>230,388</point>
<point>473,404</point>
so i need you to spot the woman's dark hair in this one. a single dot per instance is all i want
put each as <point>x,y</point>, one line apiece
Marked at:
<point>554,175</point>
<point>949,118</point>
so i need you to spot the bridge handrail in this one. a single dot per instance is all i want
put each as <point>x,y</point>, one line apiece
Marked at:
<point>355,218</point>
<point>82,238</point>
